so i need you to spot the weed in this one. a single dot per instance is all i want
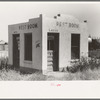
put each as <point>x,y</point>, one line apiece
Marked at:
<point>84,64</point>
<point>3,63</point>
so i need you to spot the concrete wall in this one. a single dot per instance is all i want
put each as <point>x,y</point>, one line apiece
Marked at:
<point>22,28</point>
<point>84,40</point>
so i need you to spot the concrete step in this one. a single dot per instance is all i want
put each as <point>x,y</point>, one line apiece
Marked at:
<point>49,59</point>
<point>50,68</point>
<point>50,63</point>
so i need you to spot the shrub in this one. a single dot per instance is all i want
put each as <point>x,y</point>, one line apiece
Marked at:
<point>3,63</point>
<point>84,64</point>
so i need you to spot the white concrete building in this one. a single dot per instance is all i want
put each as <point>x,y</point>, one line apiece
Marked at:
<point>47,44</point>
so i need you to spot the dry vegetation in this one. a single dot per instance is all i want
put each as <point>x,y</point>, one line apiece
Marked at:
<point>12,75</point>
<point>17,76</point>
<point>84,69</point>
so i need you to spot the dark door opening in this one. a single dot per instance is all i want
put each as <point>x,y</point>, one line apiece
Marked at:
<point>28,46</point>
<point>75,46</point>
<point>16,47</point>
<point>53,51</point>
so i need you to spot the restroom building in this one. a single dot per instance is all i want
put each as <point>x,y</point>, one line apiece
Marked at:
<point>47,44</point>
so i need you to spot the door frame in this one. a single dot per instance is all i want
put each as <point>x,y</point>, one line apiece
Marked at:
<point>55,61</point>
<point>14,36</point>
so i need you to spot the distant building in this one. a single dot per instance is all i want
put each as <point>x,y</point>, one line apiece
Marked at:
<point>3,46</point>
<point>3,49</point>
<point>47,44</point>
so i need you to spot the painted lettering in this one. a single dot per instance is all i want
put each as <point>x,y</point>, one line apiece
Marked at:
<point>29,26</point>
<point>70,25</point>
<point>53,30</point>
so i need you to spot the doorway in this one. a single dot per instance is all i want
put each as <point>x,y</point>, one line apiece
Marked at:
<point>53,51</point>
<point>16,50</point>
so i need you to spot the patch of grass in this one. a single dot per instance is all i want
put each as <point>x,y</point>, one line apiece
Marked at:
<point>84,69</point>
<point>13,75</point>
<point>6,73</point>
<point>35,77</point>
<point>84,75</point>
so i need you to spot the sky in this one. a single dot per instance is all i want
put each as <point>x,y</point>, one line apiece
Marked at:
<point>19,12</point>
